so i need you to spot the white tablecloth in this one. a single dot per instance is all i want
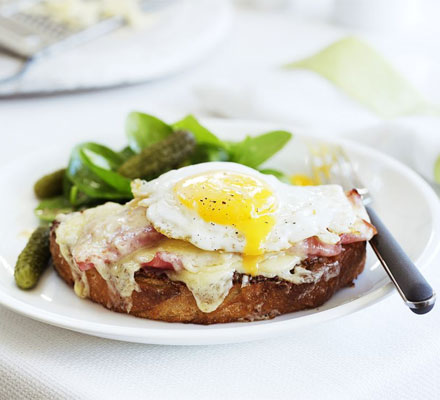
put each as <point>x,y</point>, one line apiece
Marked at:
<point>383,352</point>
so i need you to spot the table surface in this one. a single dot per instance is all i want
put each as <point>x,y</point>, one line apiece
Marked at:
<point>384,351</point>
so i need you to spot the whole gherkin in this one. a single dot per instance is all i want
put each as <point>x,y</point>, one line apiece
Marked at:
<point>159,157</point>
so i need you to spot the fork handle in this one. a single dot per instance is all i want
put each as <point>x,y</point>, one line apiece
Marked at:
<point>415,291</point>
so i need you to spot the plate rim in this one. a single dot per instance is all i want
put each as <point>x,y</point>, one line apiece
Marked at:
<point>224,333</point>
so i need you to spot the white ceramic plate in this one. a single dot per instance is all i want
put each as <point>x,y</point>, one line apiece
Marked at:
<point>407,204</point>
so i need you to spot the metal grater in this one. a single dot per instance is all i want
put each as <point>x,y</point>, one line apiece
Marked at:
<point>28,36</point>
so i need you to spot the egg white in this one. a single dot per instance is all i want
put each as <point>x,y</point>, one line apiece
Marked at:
<point>302,212</point>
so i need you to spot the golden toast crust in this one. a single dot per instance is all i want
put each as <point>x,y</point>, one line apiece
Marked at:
<point>262,298</point>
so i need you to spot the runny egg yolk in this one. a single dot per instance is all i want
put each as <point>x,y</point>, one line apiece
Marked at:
<point>233,199</point>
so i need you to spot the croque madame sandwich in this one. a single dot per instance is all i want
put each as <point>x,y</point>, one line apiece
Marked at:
<point>214,242</point>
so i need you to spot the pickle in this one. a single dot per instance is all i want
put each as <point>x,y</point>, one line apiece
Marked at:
<point>50,185</point>
<point>33,259</point>
<point>159,157</point>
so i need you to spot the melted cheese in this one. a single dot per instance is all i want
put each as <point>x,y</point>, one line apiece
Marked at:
<point>209,285</point>
<point>207,274</point>
<point>99,235</point>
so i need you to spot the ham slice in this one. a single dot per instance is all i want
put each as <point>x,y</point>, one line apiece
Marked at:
<point>355,198</point>
<point>314,247</point>
<point>165,260</point>
<point>124,242</point>
<point>365,233</point>
<point>127,240</point>
<point>311,247</point>
<point>85,265</point>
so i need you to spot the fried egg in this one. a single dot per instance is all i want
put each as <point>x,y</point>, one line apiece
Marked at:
<point>230,207</point>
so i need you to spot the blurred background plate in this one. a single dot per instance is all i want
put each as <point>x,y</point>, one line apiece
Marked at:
<point>177,37</point>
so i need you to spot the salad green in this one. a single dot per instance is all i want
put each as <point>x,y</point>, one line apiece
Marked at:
<point>93,174</point>
<point>143,130</point>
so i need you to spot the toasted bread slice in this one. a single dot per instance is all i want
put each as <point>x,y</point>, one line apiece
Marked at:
<point>250,298</point>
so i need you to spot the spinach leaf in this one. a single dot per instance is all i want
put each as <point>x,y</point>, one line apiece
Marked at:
<point>90,170</point>
<point>202,135</point>
<point>143,130</point>
<point>101,155</point>
<point>78,198</point>
<point>207,153</point>
<point>277,174</point>
<point>126,153</point>
<point>253,151</point>
<point>48,209</point>
<point>102,167</point>
<point>74,195</point>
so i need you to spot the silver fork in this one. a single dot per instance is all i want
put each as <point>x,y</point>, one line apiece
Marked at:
<point>330,164</point>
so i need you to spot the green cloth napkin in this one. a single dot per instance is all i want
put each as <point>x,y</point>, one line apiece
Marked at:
<point>362,73</point>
